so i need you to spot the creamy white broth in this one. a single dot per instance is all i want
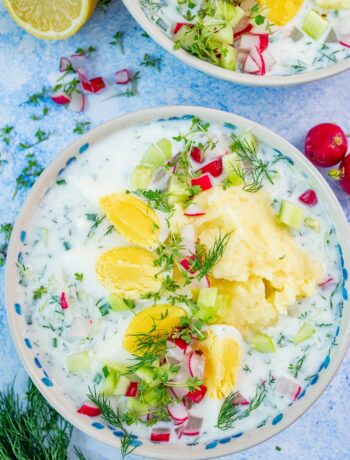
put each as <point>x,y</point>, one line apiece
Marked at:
<point>58,246</point>
<point>293,50</point>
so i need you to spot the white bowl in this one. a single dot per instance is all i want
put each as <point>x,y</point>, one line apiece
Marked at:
<point>52,391</point>
<point>223,74</point>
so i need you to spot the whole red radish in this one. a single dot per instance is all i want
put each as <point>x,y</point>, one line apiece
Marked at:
<point>325,145</point>
<point>342,174</point>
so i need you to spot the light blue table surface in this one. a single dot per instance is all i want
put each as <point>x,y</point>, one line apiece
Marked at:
<point>27,64</point>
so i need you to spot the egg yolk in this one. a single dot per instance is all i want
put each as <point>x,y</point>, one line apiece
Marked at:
<point>282,11</point>
<point>133,218</point>
<point>222,361</point>
<point>128,271</point>
<point>159,319</point>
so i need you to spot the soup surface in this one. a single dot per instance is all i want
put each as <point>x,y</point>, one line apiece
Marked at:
<point>185,275</point>
<point>266,37</point>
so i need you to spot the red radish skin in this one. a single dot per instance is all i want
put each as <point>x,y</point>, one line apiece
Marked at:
<point>160,435</point>
<point>94,86</point>
<point>122,77</point>
<point>243,27</point>
<point>89,410</point>
<point>288,388</point>
<point>63,301</point>
<point>203,182</point>
<point>196,364</point>
<point>179,25</point>
<point>193,211</point>
<point>132,389</point>
<point>197,155</point>
<point>345,175</point>
<point>325,283</point>
<point>61,98</point>
<point>186,264</point>
<point>178,412</point>
<point>77,103</point>
<point>214,168</point>
<point>309,198</point>
<point>196,396</point>
<point>180,343</point>
<point>326,145</point>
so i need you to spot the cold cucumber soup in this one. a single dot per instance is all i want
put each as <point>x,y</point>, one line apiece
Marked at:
<point>272,37</point>
<point>182,282</point>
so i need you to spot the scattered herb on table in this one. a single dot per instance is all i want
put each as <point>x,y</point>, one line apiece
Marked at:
<point>132,91</point>
<point>36,98</point>
<point>81,127</point>
<point>39,117</point>
<point>69,87</point>
<point>145,35</point>
<point>86,51</point>
<point>151,61</point>
<point>29,174</point>
<point>5,132</point>
<point>40,136</point>
<point>5,231</point>
<point>118,41</point>
<point>103,5</point>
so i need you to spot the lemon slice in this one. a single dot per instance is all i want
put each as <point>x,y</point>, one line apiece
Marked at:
<point>51,19</point>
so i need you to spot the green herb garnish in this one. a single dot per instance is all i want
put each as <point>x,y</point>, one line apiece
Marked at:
<point>5,231</point>
<point>151,61</point>
<point>118,41</point>
<point>155,198</point>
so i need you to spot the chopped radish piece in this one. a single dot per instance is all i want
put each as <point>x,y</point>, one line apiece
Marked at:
<point>197,155</point>
<point>95,85</point>
<point>196,396</point>
<point>258,58</point>
<point>242,57</point>
<point>61,98</point>
<point>309,197</point>
<point>240,400</point>
<point>345,41</point>
<point>81,327</point>
<point>89,409</point>
<point>193,211</point>
<point>178,412</point>
<point>193,426</point>
<point>131,391</point>
<point>63,301</point>
<point>188,236</point>
<point>214,168</point>
<point>160,435</point>
<point>179,25</point>
<point>77,103</point>
<point>122,77</point>
<point>260,41</point>
<point>288,388</point>
<point>64,64</point>
<point>202,283</point>
<point>174,353</point>
<point>324,283</point>
<point>251,66</point>
<point>270,61</point>
<point>243,27</point>
<point>196,364</point>
<point>186,264</point>
<point>179,392</point>
<point>203,181</point>
<point>180,343</point>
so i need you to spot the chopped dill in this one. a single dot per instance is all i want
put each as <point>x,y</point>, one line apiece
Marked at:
<point>151,61</point>
<point>118,41</point>
<point>205,260</point>
<point>40,136</point>
<point>29,174</point>
<point>5,231</point>
<point>155,198</point>
<point>5,132</point>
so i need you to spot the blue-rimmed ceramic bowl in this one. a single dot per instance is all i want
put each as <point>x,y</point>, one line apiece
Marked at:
<point>31,356</point>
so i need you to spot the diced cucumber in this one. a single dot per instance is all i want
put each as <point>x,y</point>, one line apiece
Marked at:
<point>109,383</point>
<point>230,162</point>
<point>186,36</point>
<point>145,373</point>
<point>117,367</point>
<point>78,362</point>
<point>207,297</point>
<point>313,223</point>
<point>206,314</point>
<point>121,386</point>
<point>232,14</point>
<point>315,24</point>
<point>262,342</point>
<point>228,57</point>
<point>137,406</point>
<point>224,35</point>
<point>158,154</point>
<point>304,333</point>
<point>142,176</point>
<point>151,397</point>
<point>177,192</point>
<point>116,303</point>
<point>291,215</point>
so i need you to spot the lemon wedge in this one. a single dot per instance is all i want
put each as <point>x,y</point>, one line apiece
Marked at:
<point>133,218</point>
<point>158,319</point>
<point>51,19</point>
<point>282,11</point>
<point>128,272</point>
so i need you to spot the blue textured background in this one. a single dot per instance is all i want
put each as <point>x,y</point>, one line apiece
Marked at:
<point>27,64</point>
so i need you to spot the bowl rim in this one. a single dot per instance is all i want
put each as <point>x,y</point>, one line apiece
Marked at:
<point>220,73</point>
<point>36,195</point>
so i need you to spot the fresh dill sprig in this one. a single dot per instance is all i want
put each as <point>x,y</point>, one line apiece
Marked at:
<point>253,171</point>
<point>151,61</point>
<point>118,41</point>
<point>36,98</point>
<point>86,51</point>
<point>97,220</point>
<point>295,367</point>
<point>5,134</point>
<point>114,418</point>
<point>155,198</point>
<point>205,260</point>
<point>40,136</point>
<point>32,429</point>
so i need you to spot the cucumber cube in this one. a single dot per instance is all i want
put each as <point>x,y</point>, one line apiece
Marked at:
<point>116,303</point>
<point>232,14</point>
<point>109,383</point>
<point>78,362</point>
<point>145,373</point>
<point>177,192</point>
<point>207,297</point>
<point>121,386</point>
<point>117,367</point>
<point>228,57</point>
<point>291,215</point>
<point>185,37</point>
<point>142,176</point>
<point>304,333</point>
<point>315,24</point>
<point>224,35</point>
<point>206,314</point>
<point>158,154</point>
<point>262,342</point>
<point>313,223</point>
<point>138,407</point>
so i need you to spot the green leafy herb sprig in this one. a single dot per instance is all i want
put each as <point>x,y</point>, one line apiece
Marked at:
<point>5,231</point>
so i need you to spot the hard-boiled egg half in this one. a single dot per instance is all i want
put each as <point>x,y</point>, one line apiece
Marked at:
<point>282,11</point>
<point>223,354</point>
